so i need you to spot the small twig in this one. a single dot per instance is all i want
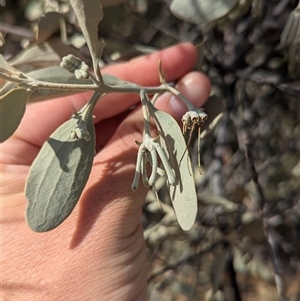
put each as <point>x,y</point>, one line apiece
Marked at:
<point>262,202</point>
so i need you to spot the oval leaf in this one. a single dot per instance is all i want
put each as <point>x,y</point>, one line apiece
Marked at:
<point>183,193</point>
<point>12,109</point>
<point>89,13</point>
<point>59,174</point>
<point>201,11</point>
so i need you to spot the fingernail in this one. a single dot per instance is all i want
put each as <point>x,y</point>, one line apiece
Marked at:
<point>177,106</point>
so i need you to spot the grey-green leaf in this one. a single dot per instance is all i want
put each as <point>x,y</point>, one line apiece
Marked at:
<point>201,11</point>
<point>5,67</point>
<point>12,109</point>
<point>183,193</point>
<point>59,174</point>
<point>89,13</point>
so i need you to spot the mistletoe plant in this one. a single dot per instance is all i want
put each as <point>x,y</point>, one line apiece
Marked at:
<point>60,172</point>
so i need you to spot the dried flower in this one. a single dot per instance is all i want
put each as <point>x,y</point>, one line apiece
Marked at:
<point>190,121</point>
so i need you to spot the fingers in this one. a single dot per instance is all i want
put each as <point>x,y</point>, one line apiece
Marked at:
<point>194,86</point>
<point>176,61</point>
<point>41,119</point>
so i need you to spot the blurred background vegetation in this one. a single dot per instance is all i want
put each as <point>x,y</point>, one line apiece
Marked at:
<point>248,225</point>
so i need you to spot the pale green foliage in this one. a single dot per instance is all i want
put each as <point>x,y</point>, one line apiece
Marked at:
<point>60,172</point>
<point>147,153</point>
<point>89,13</point>
<point>183,193</point>
<point>201,11</point>
<point>12,109</point>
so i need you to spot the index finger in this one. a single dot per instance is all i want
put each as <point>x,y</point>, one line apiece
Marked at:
<point>41,119</point>
<point>176,62</point>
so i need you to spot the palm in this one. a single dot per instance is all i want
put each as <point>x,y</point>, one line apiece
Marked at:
<point>99,250</point>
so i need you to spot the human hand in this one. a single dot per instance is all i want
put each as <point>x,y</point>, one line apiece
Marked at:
<point>98,253</point>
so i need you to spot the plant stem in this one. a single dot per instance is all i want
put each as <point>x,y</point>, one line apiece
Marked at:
<point>146,116</point>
